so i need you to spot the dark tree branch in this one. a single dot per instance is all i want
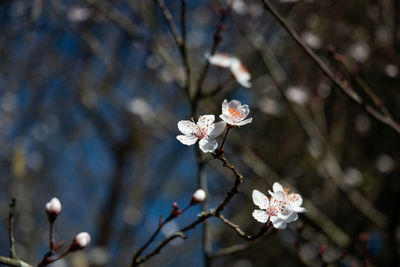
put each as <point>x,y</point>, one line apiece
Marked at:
<point>203,216</point>
<point>325,69</point>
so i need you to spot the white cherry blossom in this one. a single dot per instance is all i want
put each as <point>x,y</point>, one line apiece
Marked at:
<point>234,113</point>
<point>204,130</point>
<point>238,70</point>
<point>280,209</point>
<point>293,200</point>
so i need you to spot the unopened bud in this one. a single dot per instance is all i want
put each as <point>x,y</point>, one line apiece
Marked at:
<point>81,240</point>
<point>198,196</point>
<point>175,210</point>
<point>53,208</point>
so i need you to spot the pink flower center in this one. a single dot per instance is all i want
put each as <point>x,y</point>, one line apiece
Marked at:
<point>201,133</point>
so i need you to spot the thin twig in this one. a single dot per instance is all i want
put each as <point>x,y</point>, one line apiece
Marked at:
<point>14,262</point>
<point>325,69</point>
<point>184,49</point>
<point>203,216</point>
<point>11,214</point>
<point>170,21</point>
<point>174,214</point>
<point>180,41</point>
<point>241,233</point>
<point>216,41</point>
<point>360,82</point>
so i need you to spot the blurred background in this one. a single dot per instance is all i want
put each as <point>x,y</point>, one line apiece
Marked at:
<point>90,94</point>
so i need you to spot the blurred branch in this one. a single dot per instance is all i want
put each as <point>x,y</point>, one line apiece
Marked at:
<point>360,82</point>
<point>11,214</point>
<point>216,42</point>
<point>312,131</point>
<point>14,262</point>
<point>325,69</point>
<point>180,41</point>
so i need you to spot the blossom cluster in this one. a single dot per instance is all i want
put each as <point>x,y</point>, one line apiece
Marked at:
<point>206,130</point>
<point>281,208</point>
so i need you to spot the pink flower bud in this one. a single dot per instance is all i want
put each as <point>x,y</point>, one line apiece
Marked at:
<point>81,240</point>
<point>198,196</point>
<point>53,208</point>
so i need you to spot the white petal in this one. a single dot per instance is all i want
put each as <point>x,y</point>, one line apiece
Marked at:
<point>225,107</point>
<point>241,74</point>
<point>234,104</point>
<point>205,121</point>
<point>280,196</point>
<point>279,223</point>
<point>217,129</point>
<point>189,139</point>
<point>291,216</point>
<point>260,215</point>
<point>187,127</point>
<point>298,209</point>
<point>277,187</point>
<point>247,121</point>
<point>260,199</point>
<point>208,144</point>
<point>296,200</point>
<point>221,60</point>
<point>226,119</point>
<point>244,111</point>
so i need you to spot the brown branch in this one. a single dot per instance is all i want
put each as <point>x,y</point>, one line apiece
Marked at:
<point>325,69</point>
<point>241,233</point>
<point>203,216</point>
<point>11,214</point>
<point>360,82</point>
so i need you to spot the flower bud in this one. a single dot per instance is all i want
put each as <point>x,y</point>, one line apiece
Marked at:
<point>198,196</point>
<point>53,208</point>
<point>80,241</point>
<point>175,210</point>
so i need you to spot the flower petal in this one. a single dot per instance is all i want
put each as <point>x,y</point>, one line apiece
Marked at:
<point>234,104</point>
<point>260,215</point>
<point>189,139</point>
<point>277,187</point>
<point>260,199</point>
<point>218,128</point>
<point>221,60</point>
<point>205,121</point>
<point>295,199</point>
<point>247,121</point>
<point>278,223</point>
<point>241,74</point>
<point>226,119</point>
<point>187,127</point>
<point>298,209</point>
<point>244,111</point>
<point>208,144</point>
<point>225,107</point>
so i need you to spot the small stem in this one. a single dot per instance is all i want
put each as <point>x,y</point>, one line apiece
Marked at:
<point>154,235</point>
<point>228,126</point>
<point>60,256</point>
<point>51,239</point>
<point>11,214</point>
